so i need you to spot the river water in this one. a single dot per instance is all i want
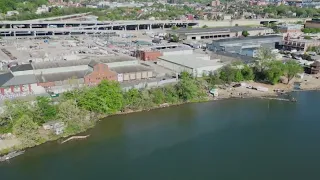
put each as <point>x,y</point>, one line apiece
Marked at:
<point>232,139</point>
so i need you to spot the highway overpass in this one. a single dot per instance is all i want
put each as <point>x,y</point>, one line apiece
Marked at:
<point>12,28</point>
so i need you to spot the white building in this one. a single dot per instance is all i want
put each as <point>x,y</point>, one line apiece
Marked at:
<point>195,64</point>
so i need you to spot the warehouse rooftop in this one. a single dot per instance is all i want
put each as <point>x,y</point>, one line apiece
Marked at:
<point>41,78</point>
<point>7,79</point>
<point>219,29</point>
<point>249,38</point>
<point>130,69</point>
<point>191,60</point>
<point>84,61</point>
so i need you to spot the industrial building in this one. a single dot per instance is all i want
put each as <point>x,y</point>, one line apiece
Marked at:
<point>152,53</point>
<point>314,23</point>
<point>300,44</point>
<point>245,45</point>
<point>138,72</point>
<point>195,64</point>
<point>226,57</point>
<point>219,33</point>
<point>59,76</point>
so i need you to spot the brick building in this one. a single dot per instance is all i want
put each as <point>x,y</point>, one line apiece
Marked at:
<point>61,76</point>
<point>99,72</point>
<point>148,55</point>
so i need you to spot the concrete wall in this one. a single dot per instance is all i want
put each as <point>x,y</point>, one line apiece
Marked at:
<point>136,76</point>
<point>249,52</point>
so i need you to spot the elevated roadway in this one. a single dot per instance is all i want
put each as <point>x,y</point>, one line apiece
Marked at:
<point>13,27</point>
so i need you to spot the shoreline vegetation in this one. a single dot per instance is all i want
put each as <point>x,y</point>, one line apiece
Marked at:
<point>81,108</point>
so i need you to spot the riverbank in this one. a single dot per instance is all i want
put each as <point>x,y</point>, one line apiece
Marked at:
<point>307,83</point>
<point>245,137</point>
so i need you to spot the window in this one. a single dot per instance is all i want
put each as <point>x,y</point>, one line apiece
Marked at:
<point>193,37</point>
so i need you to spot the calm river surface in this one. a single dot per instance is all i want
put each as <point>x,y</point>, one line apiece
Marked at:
<point>232,139</point>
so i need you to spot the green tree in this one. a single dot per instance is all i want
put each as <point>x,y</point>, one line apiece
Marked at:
<point>205,26</point>
<point>174,27</point>
<point>292,68</point>
<point>157,95</point>
<point>264,57</point>
<point>228,73</point>
<point>132,99</point>
<point>13,110</point>
<point>238,76</point>
<point>105,98</point>
<point>26,130</point>
<point>213,79</point>
<point>245,33</point>
<point>186,87</point>
<point>171,95</point>
<point>76,119</point>
<point>45,109</point>
<point>274,71</point>
<point>247,73</point>
<point>174,38</point>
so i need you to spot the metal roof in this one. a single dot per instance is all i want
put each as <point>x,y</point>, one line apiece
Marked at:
<point>57,64</point>
<point>216,30</point>
<point>41,78</point>
<point>130,69</point>
<point>191,60</point>
<point>227,56</point>
<point>8,79</point>
<point>5,77</point>
<point>84,61</point>
<point>22,67</point>
<point>249,38</point>
<point>93,63</point>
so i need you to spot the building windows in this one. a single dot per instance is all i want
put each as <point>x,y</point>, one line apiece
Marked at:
<point>193,37</point>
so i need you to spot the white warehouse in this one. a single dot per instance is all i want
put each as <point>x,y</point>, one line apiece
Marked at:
<point>195,64</point>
